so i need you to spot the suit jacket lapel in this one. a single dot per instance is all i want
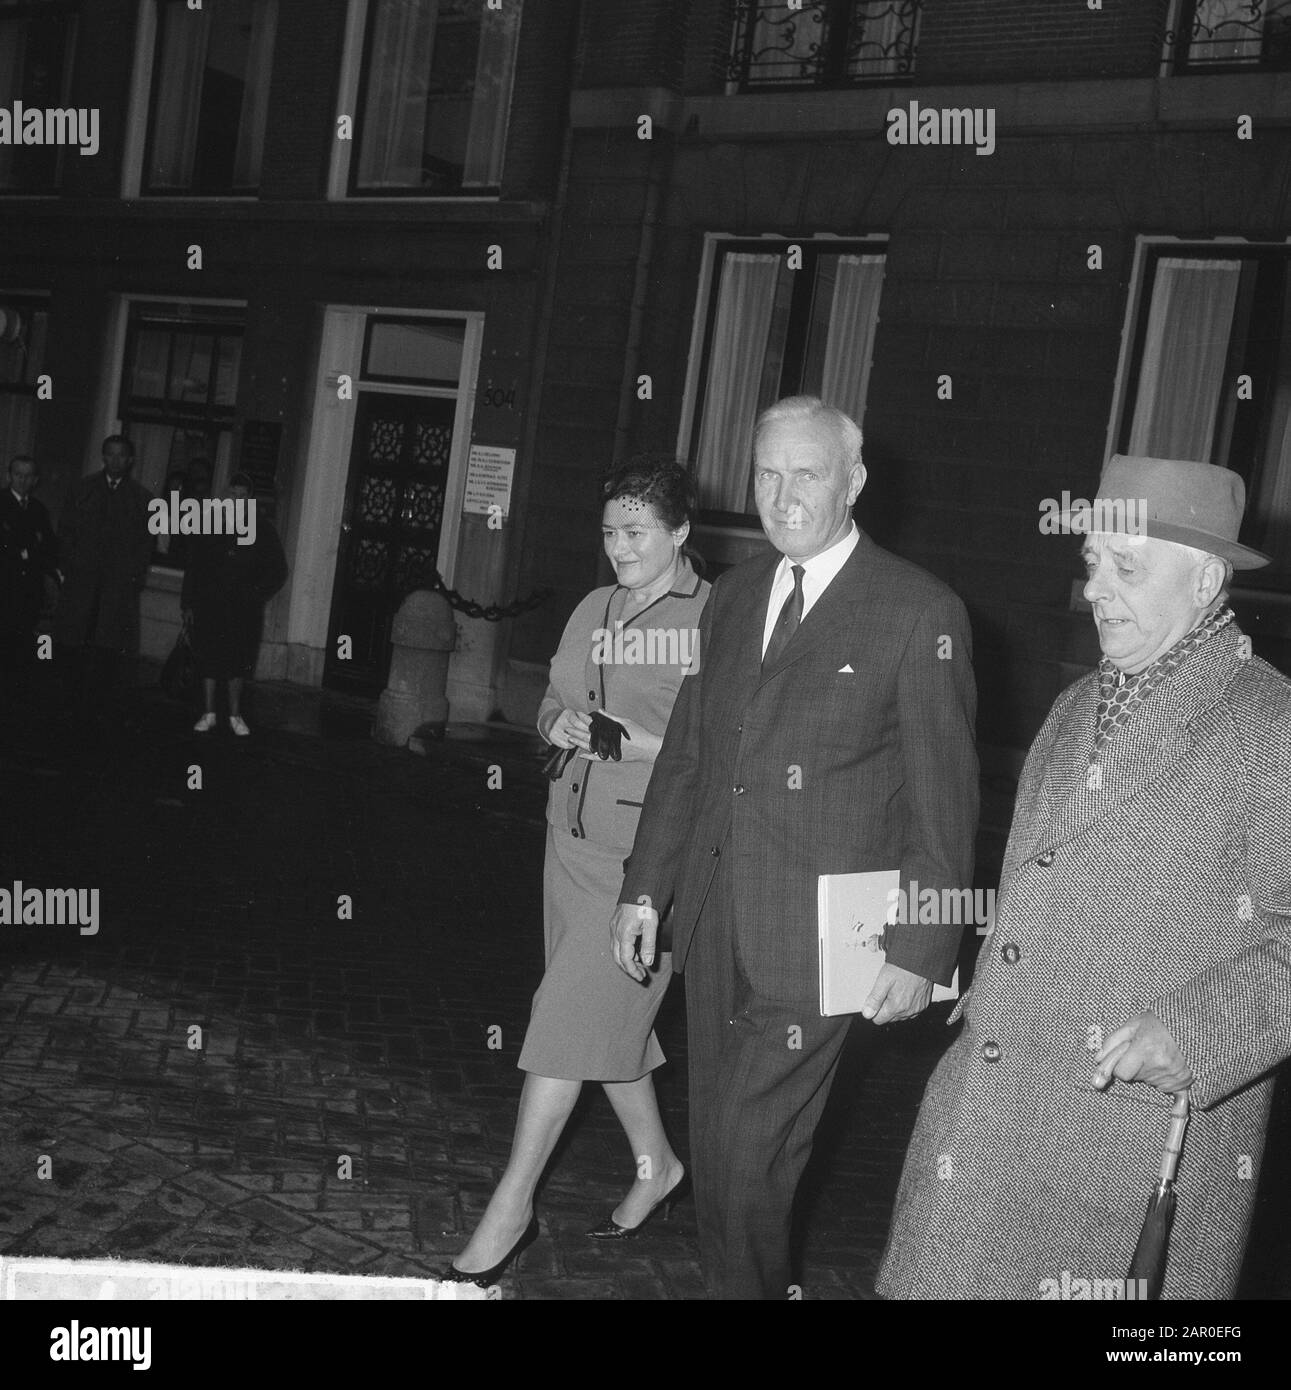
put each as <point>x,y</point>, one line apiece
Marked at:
<point>1066,765</point>
<point>1154,739</point>
<point>748,619</point>
<point>843,591</point>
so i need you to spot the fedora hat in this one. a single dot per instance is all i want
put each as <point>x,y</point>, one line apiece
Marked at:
<point>1196,504</point>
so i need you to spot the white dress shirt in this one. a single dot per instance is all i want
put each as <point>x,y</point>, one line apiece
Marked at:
<point>818,574</point>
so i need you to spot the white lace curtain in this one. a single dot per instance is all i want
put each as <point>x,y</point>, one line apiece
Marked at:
<point>849,348</point>
<point>1272,502</point>
<point>746,297</point>
<point>180,65</point>
<point>491,96</point>
<point>746,351</point>
<point>1181,377</point>
<point>255,100</point>
<point>393,137</point>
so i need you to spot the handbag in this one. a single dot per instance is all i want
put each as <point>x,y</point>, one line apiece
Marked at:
<point>179,674</point>
<point>553,765</point>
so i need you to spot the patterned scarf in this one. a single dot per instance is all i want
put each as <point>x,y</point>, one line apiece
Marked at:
<point>1120,695</point>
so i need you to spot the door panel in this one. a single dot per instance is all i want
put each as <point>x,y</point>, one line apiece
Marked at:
<point>394,507</point>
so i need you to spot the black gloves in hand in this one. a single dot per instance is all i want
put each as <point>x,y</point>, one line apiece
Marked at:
<point>607,737</point>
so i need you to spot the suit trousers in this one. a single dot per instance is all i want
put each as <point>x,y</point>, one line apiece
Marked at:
<point>760,1071</point>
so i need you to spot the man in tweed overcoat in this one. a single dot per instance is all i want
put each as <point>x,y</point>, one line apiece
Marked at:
<point>1142,944</point>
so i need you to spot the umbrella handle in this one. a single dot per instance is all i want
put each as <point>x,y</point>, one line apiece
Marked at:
<point>1174,1140</point>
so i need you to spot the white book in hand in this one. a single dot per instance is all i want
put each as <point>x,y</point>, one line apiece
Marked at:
<point>852,913</point>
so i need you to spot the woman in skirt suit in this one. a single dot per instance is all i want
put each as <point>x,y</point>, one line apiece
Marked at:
<point>624,652</point>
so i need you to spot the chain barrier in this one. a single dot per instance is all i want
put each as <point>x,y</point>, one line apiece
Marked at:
<point>490,612</point>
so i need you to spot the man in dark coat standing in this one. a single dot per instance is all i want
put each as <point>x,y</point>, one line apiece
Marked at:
<point>28,556</point>
<point>105,546</point>
<point>826,728</point>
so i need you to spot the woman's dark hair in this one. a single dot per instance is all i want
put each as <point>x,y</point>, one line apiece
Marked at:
<point>664,484</point>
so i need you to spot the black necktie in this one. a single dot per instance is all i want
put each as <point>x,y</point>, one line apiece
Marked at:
<point>787,623</point>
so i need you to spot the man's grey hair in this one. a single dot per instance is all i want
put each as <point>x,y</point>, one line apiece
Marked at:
<point>792,408</point>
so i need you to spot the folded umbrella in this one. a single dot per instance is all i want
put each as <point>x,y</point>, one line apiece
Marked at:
<point>1149,1260</point>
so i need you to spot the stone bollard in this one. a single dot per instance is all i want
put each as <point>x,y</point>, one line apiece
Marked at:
<point>423,636</point>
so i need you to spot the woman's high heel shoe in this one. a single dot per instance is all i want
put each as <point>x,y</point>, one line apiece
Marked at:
<point>609,1229</point>
<point>484,1278</point>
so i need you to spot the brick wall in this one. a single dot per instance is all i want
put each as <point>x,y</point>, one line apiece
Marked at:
<point>301,123</point>
<point>708,44</point>
<point>632,43</point>
<point>539,99</point>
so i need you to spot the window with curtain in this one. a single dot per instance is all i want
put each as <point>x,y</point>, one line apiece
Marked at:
<point>1228,34</point>
<point>1210,378</point>
<point>179,386</point>
<point>210,97</point>
<point>36,38</point>
<point>434,97</point>
<point>774,331</point>
<point>24,323</point>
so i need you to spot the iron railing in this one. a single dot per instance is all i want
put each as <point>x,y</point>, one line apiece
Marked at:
<point>828,43</point>
<point>1231,35</point>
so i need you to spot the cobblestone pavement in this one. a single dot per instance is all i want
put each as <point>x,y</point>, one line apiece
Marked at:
<point>323,1037</point>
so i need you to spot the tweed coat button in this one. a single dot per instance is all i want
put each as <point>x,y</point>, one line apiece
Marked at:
<point>1045,859</point>
<point>574,833</point>
<point>575,786</point>
<point>739,790</point>
<point>591,695</point>
<point>991,1052</point>
<point>715,852</point>
<point>1011,953</point>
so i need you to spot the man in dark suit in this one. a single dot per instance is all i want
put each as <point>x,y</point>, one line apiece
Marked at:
<point>106,546</point>
<point>28,556</point>
<point>827,728</point>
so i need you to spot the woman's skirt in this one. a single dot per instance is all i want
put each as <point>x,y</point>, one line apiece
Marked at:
<point>590,1021</point>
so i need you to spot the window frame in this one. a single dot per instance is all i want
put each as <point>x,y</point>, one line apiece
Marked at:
<point>1179,44</point>
<point>119,415</point>
<point>796,332</point>
<point>740,67</point>
<point>1234,429</point>
<point>40,301</point>
<point>142,112</point>
<point>352,91</point>
<point>24,9</point>
<point>411,321</point>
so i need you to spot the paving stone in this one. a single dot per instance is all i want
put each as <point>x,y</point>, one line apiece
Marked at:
<point>369,1038</point>
<point>269,1214</point>
<point>342,1249</point>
